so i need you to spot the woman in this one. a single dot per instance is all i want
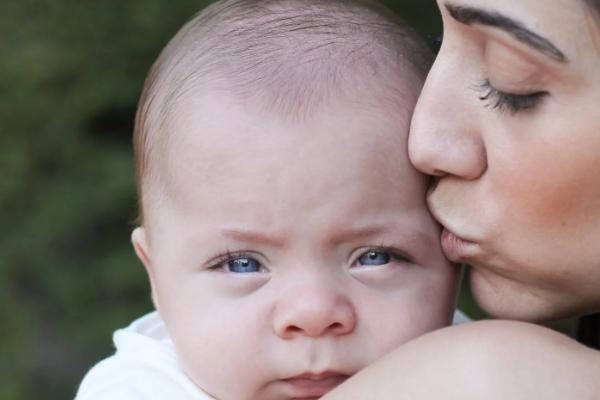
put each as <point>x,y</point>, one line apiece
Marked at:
<point>508,123</point>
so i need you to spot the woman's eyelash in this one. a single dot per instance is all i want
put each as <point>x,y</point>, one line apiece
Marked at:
<point>502,101</point>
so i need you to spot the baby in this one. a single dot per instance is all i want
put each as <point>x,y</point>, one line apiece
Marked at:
<point>283,229</point>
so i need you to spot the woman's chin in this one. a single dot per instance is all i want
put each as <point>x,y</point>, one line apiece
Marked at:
<point>507,299</point>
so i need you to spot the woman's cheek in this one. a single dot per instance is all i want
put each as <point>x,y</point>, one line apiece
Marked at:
<point>552,182</point>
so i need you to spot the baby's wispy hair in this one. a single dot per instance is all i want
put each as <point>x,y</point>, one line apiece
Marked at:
<point>290,56</point>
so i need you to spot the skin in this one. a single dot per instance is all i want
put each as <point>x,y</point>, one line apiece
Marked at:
<point>495,360</point>
<point>520,189</point>
<point>303,201</point>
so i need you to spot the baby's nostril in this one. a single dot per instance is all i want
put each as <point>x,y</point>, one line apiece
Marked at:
<point>336,326</point>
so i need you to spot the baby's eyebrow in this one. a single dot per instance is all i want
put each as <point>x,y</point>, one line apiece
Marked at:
<point>340,236</point>
<point>349,234</point>
<point>405,234</point>
<point>344,235</point>
<point>249,236</point>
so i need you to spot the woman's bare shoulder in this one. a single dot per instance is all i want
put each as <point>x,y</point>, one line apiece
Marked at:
<point>486,359</point>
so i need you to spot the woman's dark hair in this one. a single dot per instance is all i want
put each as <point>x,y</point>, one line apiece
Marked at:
<point>588,332</point>
<point>594,5</point>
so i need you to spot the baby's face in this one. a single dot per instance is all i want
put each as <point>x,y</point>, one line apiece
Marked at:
<point>289,255</point>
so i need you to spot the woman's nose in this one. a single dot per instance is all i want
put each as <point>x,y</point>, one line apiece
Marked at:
<point>313,310</point>
<point>444,137</point>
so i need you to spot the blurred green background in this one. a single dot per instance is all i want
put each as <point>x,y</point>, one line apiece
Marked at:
<point>70,77</point>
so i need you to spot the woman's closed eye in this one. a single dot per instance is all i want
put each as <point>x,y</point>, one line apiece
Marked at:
<point>511,102</point>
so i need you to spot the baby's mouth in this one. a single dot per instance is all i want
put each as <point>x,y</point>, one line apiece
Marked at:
<point>310,385</point>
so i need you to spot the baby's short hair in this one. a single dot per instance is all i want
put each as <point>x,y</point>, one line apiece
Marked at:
<point>289,56</point>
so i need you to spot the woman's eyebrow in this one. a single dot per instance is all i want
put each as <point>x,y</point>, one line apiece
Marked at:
<point>470,15</point>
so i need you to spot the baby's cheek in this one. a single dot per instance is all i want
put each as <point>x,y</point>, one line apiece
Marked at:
<point>214,351</point>
<point>412,312</point>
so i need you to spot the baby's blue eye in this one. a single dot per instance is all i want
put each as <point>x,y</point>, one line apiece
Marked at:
<point>373,257</point>
<point>243,265</point>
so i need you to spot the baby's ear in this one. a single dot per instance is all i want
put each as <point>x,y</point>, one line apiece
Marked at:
<point>140,245</point>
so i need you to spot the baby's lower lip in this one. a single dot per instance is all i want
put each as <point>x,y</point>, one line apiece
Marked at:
<point>308,387</point>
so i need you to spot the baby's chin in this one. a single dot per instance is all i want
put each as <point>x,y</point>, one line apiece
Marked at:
<point>253,385</point>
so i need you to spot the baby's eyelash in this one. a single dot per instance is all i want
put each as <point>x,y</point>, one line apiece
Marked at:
<point>502,101</point>
<point>220,260</point>
<point>394,253</point>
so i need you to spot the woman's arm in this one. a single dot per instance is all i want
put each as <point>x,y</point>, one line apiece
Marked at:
<point>481,360</point>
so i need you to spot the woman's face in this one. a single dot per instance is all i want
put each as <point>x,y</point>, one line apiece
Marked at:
<point>509,123</point>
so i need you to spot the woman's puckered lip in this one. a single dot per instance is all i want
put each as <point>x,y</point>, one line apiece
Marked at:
<point>436,215</point>
<point>456,249</point>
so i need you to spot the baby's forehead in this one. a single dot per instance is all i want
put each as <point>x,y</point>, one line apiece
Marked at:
<point>217,138</point>
<point>212,121</point>
<point>226,115</point>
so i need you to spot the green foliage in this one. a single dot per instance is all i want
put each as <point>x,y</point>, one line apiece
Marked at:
<point>70,77</point>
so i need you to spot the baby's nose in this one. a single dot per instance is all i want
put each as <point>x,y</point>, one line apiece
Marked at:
<point>314,311</point>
